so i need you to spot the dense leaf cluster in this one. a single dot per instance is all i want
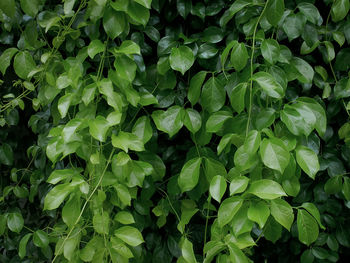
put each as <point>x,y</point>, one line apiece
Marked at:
<point>174,131</point>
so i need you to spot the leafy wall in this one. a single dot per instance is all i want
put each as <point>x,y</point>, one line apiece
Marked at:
<point>174,131</point>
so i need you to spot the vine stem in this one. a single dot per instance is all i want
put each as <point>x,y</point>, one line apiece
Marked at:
<point>251,69</point>
<point>84,206</point>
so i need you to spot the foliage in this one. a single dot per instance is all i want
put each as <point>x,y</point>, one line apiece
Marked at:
<point>174,131</point>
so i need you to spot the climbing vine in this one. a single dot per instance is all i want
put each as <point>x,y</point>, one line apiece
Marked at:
<point>174,131</point>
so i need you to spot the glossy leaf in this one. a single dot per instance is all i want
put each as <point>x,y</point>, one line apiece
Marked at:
<point>189,175</point>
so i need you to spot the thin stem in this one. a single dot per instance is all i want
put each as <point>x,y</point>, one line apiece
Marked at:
<point>84,206</point>
<point>251,69</point>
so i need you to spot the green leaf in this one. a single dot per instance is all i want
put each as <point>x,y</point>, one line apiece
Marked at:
<point>192,120</point>
<point>95,47</point>
<point>252,142</point>
<point>56,196</point>
<point>243,160</point>
<point>128,47</point>
<point>238,184</point>
<point>237,97</point>
<point>239,56</point>
<point>71,210</point>
<point>30,7</point>
<point>6,154</point>
<point>340,9</point>
<point>312,209</point>
<point>217,187</point>
<point>22,249</point>
<point>293,25</point>
<point>101,223</point>
<point>170,121</point>
<point>333,185</point>
<point>228,208</point>
<point>194,90</point>
<point>124,217</point>
<point>307,160</point>
<point>189,175</point>
<point>268,83</point>
<point>270,50</point>
<point>64,104</point>
<point>234,8</point>
<point>213,95</point>
<point>265,118</point>
<point>274,154</point>
<point>304,70</point>
<point>274,11</point>
<point>217,120</point>
<point>259,212</point>
<point>310,12</point>
<point>126,141</point>
<point>15,222</point>
<point>342,88</point>
<point>143,129</point>
<point>183,7</point>
<point>98,128</point>
<point>126,67</point>
<point>40,239</point>
<point>282,212</point>
<point>187,251</point>
<point>138,13</point>
<point>145,3</point>
<point>130,235</point>
<point>181,59</point>
<point>123,194</point>
<point>113,22</point>
<point>266,189</point>
<point>307,227</point>
<point>8,7</point>
<point>236,254</point>
<point>23,64</point>
<point>5,59</point>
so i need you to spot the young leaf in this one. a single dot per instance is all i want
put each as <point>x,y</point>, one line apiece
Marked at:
<point>130,235</point>
<point>143,129</point>
<point>56,196</point>
<point>228,208</point>
<point>238,184</point>
<point>259,212</point>
<point>101,223</point>
<point>192,120</point>
<point>124,217</point>
<point>312,209</point>
<point>307,227</point>
<point>187,251</point>
<point>217,187</point>
<point>282,212</point>
<point>181,59</point>
<point>126,141</point>
<point>266,189</point>
<point>98,128</point>
<point>217,120</point>
<point>189,175</point>
<point>274,154</point>
<point>307,160</point>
